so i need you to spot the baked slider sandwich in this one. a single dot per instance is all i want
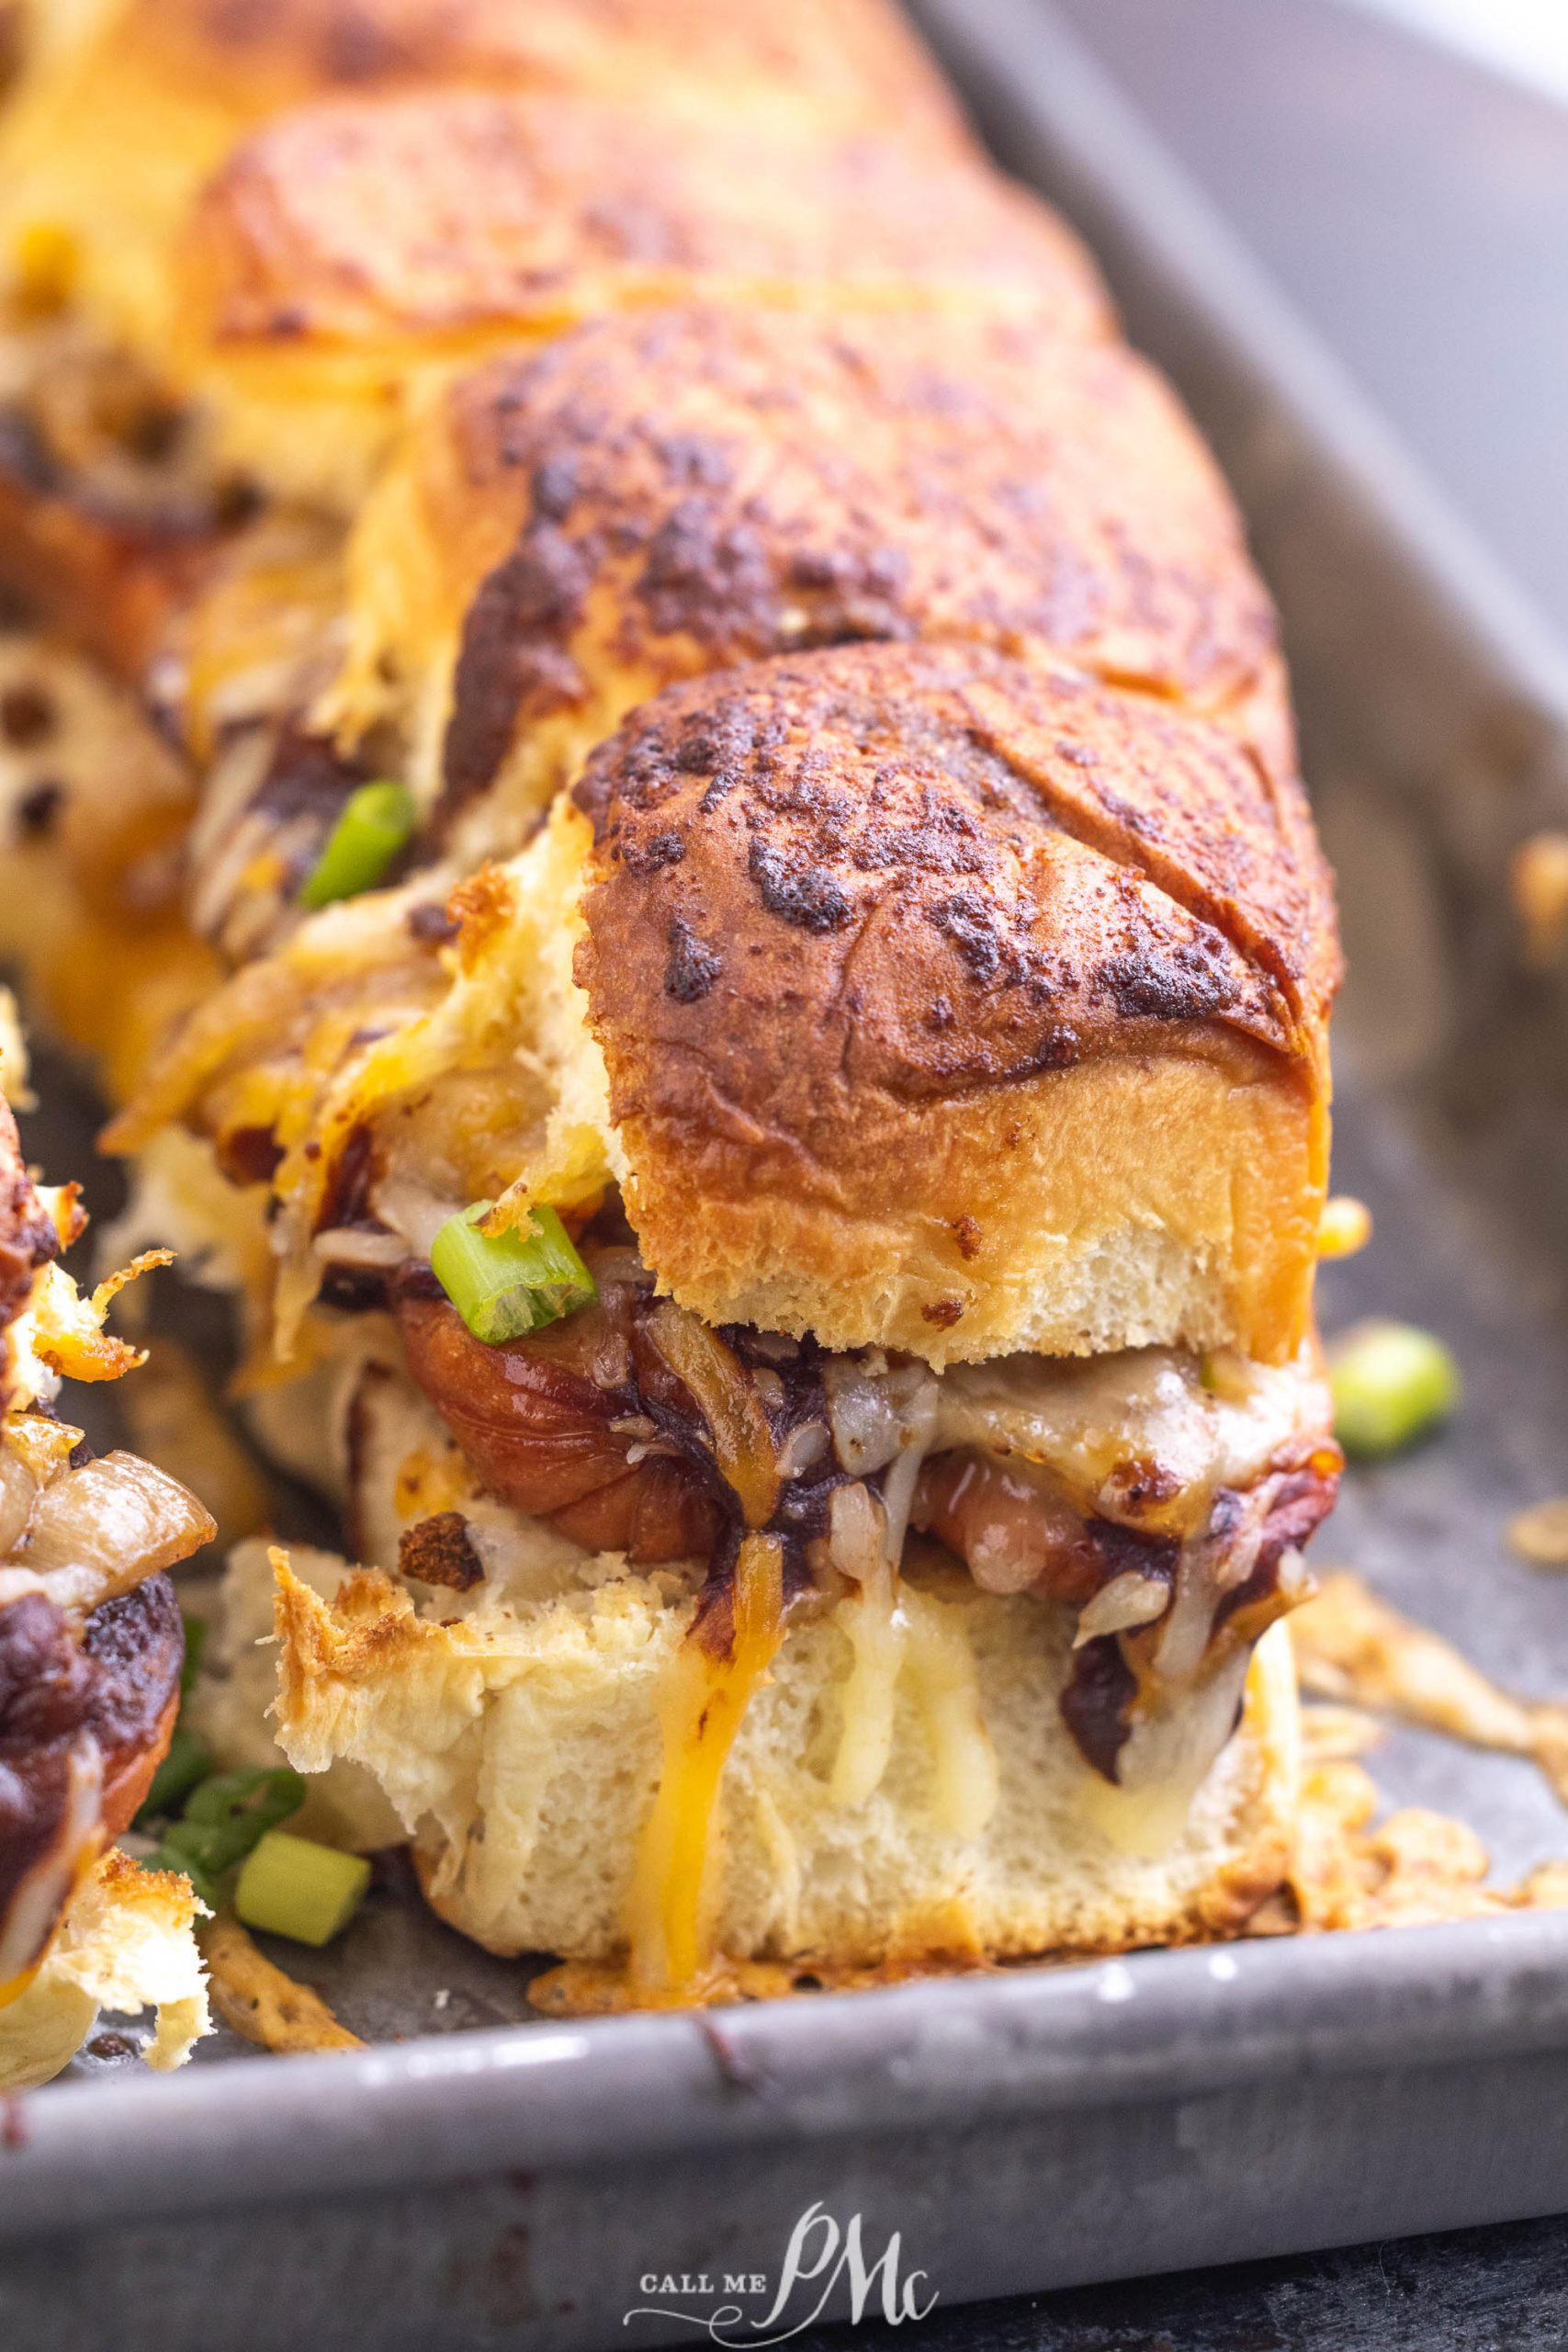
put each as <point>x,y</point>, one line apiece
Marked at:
<point>566,531</point>
<point>91,1648</point>
<point>663,493</point>
<point>836,1412</point>
<point>336,229</point>
<point>177,469</point>
<point>120,111</point>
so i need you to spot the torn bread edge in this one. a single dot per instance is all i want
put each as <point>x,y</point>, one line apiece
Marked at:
<point>127,1944</point>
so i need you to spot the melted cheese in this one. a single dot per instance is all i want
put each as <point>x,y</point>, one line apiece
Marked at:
<point>879,1632</point>
<point>941,1666</point>
<point>1202,1424</point>
<point>898,1632</point>
<point>701,1708</point>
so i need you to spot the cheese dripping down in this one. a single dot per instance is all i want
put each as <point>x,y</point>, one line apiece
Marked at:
<point>702,1704</point>
<point>897,1632</point>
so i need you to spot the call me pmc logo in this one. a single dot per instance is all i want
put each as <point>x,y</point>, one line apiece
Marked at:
<point>820,2254</point>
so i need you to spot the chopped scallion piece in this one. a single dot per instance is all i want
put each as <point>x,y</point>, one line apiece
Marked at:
<point>375,823</point>
<point>1390,1384</point>
<point>223,1819</point>
<point>196,1643</point>
<point>186,1762</point>
<point>291,1886</point>
<point>518,1282</point>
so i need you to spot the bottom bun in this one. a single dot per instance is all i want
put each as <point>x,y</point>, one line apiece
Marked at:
<point>127,1944</point>
<point>521,1745</point>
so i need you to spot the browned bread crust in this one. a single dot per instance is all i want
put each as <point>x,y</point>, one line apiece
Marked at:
<point>661,494</point>
<point>532,213</point>
<point>259,55</point>
<point>961,1006</point>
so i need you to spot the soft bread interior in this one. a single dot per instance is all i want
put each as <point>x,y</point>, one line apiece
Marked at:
<point>1160,1198</point>
<point>127,1944</point>
<point>521,1746</point>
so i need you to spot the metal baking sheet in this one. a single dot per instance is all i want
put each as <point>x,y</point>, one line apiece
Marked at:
<point>482,2178</point>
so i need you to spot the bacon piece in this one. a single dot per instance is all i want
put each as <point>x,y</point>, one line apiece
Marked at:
<point>1006,1524</point>
<point>535,1420</point>
<point>439,1550</point>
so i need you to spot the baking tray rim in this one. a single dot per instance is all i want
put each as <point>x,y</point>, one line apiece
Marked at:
<point>1024,56</point>
<point>1161,2026</point>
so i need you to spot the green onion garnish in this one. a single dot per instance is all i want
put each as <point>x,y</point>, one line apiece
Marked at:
<point>1390,1384</point>
<point>375,823</point>
<point>291,1886</point>
<point>186,1762</point>
<point>225,1817</point>
<point>196,1641</point>
<point>515,1283</point>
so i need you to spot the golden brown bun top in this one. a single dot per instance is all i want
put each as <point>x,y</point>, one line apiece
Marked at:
<point>661,493</point>
<point>855,57</point>
<point>441,215</point>
<point>862,925</point>
<point>1056,862</point>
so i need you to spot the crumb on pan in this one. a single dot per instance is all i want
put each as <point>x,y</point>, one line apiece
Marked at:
<point>1352,1647</point>
<point>1331,1733</point>
<point>262,2002</point>
<point>1540,1533</point>
<point>1412,1870</point>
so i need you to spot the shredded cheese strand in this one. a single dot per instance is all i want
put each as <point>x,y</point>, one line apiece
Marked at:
<point>702,1706</point>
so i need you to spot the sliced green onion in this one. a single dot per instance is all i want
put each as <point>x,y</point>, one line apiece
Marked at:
<point>514,1283</point>
<point>375,823</point>
<point>225,1817</point>
<point>291,1886</point>
<point>1390,1384</point>
<point>186,1762</point>
<point>196,1641</point>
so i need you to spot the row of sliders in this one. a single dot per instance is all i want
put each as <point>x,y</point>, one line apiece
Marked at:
<point>652,762</point>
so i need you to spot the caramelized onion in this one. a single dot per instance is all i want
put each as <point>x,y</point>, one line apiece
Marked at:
<point>857,1528</point>
<point>101,1529</point>
<point>875,1415</point>
<point>1127,1600</point>
<point>18,1492</point>
<point>917,1426</point>
<point>713,1375</point>
<point>805,1448</point>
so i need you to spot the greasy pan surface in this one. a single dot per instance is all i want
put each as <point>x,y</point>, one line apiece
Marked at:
<point>1180,2112</point>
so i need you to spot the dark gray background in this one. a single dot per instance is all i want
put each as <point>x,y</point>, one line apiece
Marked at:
<point>1415,208</point>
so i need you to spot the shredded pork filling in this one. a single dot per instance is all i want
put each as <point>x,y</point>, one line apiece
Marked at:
<point>122,530</point>
<point>1164,1498</point>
